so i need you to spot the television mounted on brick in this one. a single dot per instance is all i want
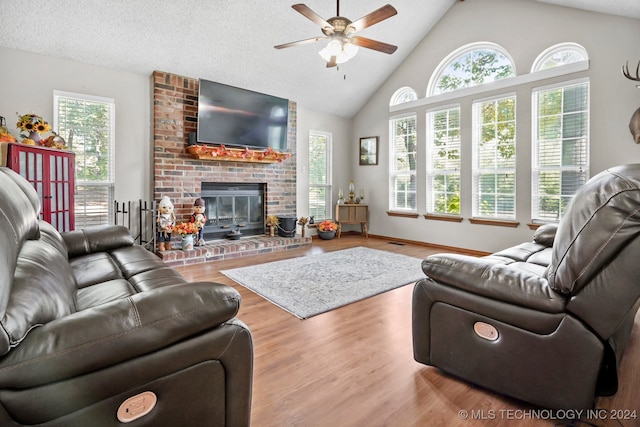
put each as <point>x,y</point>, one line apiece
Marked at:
<point>238,117</point>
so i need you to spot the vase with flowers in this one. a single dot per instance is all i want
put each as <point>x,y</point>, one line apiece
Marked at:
<point>327,229</point>
<point>34,125</point>
<point>188,231</point>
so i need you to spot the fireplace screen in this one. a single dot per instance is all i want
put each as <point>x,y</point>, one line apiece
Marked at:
<point>233,206</point>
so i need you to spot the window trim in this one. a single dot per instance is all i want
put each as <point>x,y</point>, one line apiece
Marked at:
<point>560,47</point>
<point>329,185</point>
<point>393,173</point>
<point>534,168</point>
<point>476,218</point>
<point>444,64</point>
<point>110,183</point>
<point>430,172</point>
<point>400,93</point>
<point>499,85</point>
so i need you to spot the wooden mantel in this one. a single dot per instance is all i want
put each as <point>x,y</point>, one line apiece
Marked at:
<point>224,154</point>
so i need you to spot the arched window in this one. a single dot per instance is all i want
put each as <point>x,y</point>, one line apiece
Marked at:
<point>402,95</point>
<point>558,55</point>
<point>471,65</point>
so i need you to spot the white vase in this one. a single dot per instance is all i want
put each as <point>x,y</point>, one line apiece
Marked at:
<point>187,242</point>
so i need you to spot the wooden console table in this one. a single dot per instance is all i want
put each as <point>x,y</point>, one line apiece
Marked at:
<point>357,213</point>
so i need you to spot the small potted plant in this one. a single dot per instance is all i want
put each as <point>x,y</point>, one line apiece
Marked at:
<point>327,229</point>
<point>188,230</point>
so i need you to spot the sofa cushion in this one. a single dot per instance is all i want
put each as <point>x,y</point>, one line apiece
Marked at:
<point>102,293</point>
<point>135,259</point>
<point>18,222</point>
<point>43,290</point>
<point>96,239</point>
<point>546,234</point>
<point>52,236</point>
<point>156,278</point>
<point>95,268</point>
<point>520,252</point>
<point>602,219</point>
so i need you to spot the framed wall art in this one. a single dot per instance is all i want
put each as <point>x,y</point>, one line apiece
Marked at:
<point>369,151</point>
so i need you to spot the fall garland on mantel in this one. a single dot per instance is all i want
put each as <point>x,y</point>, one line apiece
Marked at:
<point>224,154</point>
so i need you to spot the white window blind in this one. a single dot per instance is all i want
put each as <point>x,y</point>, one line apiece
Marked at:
<point>443,161</point>
<point>494,163</point>
<point>88,125</point>
<point>320,175</point>
<point>560,148</point>
<point>403,164</point>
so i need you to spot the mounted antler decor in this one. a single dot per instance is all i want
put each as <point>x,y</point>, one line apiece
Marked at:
<point>634,123</point>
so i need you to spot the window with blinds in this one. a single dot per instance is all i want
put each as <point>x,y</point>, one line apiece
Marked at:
<point>88,124</point>
<point>494,162</point>
<point>403,164</point>
<point>443,161</point>
<point>320,175</point>
<point>560,148</point>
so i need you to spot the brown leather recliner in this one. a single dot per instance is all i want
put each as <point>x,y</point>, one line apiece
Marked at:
<point>94,329</point>
<point>546,321</point>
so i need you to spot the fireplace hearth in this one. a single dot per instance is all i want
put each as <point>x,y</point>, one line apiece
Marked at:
<point>231,207</point>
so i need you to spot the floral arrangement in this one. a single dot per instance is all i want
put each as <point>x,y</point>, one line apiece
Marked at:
<point>272,221</point>
<point>185,228</point>
<point>32,123</point>
<point>327,225</point>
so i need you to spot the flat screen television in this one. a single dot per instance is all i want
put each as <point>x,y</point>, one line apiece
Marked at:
<point>241,118</point>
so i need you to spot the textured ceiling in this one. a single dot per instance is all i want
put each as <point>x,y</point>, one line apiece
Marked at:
<point>231,41</point>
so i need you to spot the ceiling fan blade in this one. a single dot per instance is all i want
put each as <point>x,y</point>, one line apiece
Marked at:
<point>312,16</point>
<point>373,44</point>
<point>386,11</point>
<point>332,62</point>
<point>299,42</point>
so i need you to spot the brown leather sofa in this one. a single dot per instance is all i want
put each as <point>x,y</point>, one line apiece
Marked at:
<point>91,324</point>
<point>546,321</point>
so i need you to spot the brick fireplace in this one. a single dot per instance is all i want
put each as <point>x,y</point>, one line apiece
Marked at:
<point>179,175</point>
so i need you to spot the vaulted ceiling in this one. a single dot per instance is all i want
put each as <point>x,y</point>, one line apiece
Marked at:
<point>231,41</point>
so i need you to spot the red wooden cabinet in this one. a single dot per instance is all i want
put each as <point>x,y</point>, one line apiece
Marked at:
<point>52,173</point>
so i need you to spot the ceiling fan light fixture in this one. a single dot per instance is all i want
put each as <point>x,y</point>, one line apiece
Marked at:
<point>340,50</point>
<point>350,49</point>
<point>343,45</point>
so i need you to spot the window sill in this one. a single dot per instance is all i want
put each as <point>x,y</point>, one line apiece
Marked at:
<point>535,225</point>
<point>496,222</point>
<point>403,214</point>
<point>442,217</point>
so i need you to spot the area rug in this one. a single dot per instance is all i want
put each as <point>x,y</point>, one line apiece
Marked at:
<point>314,284</point>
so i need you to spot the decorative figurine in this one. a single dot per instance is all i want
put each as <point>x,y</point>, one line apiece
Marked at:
<point>303,222</point>
<point>166,220</point>
<point>199,218</point>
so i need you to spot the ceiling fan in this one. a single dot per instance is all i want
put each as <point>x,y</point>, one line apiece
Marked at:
<point>343,43</point>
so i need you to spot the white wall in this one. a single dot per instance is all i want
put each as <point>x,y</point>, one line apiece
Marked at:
<point>27,82</point>
<point>525,29</point>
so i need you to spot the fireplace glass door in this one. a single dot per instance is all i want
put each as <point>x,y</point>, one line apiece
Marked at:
<point>233,207</point>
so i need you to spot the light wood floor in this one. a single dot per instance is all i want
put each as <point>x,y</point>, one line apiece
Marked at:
<point>354,366</point>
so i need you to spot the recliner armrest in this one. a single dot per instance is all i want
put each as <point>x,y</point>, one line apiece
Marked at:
<point>118,331</point>
<point>492,279</point>
<point>96,239</point>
